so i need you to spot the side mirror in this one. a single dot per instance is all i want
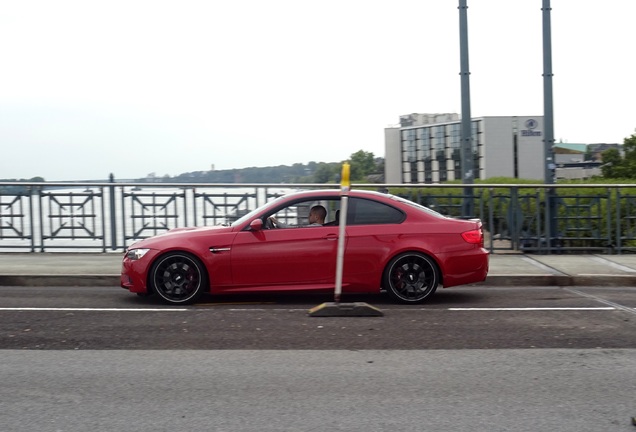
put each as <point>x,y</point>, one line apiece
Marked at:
<point>256,225</point>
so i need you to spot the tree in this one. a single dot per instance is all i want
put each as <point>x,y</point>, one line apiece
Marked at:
<point>629,148</point>
<point>615,166</point>
<point>362,164</point>
<point>324,173</point>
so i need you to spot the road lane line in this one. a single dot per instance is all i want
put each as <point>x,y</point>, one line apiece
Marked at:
<point>516,309</point>
<point>89,309</point>
<point>535,309</point>
<point>459,309</point>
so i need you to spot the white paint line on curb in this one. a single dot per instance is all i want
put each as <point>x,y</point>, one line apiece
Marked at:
<point>543,267</point>
<point>612,264</point>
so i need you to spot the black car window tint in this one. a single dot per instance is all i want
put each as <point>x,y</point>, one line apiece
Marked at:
<point>365,212</point>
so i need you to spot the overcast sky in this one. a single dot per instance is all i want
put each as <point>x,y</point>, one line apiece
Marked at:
<point>91,87</point>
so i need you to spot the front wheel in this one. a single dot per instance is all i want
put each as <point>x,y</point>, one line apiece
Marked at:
<point>178,278</point>
<point>411,277</point>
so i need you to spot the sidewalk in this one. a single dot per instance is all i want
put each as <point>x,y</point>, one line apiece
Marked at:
<point>102,269</point>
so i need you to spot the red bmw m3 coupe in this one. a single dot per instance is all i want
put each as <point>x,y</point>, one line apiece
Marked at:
<point>391,244</point>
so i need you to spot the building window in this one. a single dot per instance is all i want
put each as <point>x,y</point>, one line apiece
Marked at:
<point>439,140</point>
<point>409,145</point>
<point>439,143</point>
<point>456,148</point>
<point>409,156</point>
<point>428,170</point>
<point>455,136</point>
<point>477,144</point>
<point>424,153</point>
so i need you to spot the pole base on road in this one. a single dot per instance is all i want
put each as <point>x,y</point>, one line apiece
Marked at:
<point>358,309</point>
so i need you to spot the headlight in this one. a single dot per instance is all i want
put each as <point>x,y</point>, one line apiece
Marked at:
<point>135,254</point>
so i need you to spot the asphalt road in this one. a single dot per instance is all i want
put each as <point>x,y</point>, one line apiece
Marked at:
<point>476,358</point>
<point>457,318</point>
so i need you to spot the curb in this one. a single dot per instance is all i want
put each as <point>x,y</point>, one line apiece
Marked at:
<point>560,280</point>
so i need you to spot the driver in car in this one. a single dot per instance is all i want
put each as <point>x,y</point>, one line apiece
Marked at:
<point>317,216</point>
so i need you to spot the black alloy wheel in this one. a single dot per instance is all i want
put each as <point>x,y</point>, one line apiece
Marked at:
<point>178,278</point>
<point>411,277</point>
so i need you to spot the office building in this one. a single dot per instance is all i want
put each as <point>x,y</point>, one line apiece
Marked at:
<point>426,148</point>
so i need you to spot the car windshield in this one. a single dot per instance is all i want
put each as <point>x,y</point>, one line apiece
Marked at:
<point>254,212</point>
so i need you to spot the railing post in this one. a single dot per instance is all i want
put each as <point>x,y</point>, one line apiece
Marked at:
<point>608,218</point>
<point>515,224</point>
<point>41,218</point>
<point>113,213</point>
<point>103,213</point>
<point>32,190</point>
<point>491,219</point>
<point>619,242</point>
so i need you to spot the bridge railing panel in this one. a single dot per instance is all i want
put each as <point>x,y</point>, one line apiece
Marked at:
<point>108,217</point>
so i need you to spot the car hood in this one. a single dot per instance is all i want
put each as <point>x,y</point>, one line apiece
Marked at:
<point>216,228</point>
<point>181,235</point>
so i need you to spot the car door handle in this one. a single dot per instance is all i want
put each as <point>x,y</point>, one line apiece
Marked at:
<point>331,237</point>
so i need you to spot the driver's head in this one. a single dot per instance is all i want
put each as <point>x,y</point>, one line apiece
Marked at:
<point>317,214</point>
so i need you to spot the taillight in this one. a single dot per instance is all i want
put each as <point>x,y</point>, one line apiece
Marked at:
<point>475,236</point>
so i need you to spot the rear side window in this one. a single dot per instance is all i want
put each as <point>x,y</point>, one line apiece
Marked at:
<point>367,212</point>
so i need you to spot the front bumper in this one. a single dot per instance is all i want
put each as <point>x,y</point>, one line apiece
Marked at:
<point>134,273</point>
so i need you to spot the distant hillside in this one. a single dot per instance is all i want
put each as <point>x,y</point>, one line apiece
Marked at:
<point>297,173</point>
<point>363,166</point>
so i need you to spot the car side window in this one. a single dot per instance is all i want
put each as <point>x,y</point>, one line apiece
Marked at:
<point>299,214</point>
<point>367,212</point>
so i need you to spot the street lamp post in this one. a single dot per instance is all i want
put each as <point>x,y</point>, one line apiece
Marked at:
<point>548,133</point>
<point>467,159</point>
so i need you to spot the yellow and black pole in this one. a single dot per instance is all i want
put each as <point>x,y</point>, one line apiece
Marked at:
<point>345,185</point>
<point>336,308</point>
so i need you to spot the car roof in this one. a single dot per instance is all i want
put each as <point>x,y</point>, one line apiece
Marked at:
<point>387,198</point>
<point>335,192</point>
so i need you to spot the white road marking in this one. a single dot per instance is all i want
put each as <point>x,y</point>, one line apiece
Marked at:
<point>535,309</point>
<point>475,309</point>
<point>611,306</point>
<point>89,309</point>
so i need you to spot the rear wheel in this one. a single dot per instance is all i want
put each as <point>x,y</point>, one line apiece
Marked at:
<point>411,277</point>
<point>178,278</point>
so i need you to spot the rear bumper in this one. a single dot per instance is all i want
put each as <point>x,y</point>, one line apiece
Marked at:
<point>468,268</point>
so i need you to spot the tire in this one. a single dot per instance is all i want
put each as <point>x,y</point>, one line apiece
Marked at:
<point>411,277</point>
<point>178,278</point>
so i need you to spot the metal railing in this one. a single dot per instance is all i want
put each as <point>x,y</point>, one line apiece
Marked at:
<point>109,216</point>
